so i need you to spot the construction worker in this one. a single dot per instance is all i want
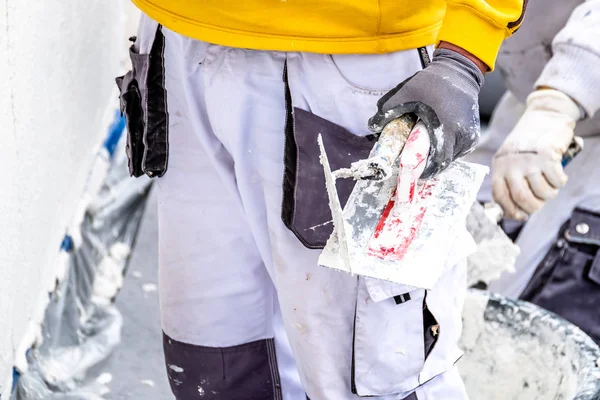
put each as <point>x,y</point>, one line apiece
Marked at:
<point>221,94</point>
<point>550,68</point>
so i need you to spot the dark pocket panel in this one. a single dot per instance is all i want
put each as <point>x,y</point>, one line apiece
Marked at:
<point>312,219</point>
<point>247,371</point>
<point>305,209</point>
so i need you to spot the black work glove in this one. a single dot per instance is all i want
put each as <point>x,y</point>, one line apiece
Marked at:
<point>444,96</point>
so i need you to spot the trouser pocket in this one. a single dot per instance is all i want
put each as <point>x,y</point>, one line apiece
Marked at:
<point>246,371</point>
<point>567,281</point>
<point>305,208</point>
<point>143,98</point>
<point>405,336</point>
<point>392,340</point>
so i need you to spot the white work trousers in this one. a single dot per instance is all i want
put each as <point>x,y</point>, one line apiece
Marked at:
<point>230,269</point>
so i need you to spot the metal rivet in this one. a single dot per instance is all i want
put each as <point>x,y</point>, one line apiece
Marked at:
<point>582,228</point>
<point>150,174</point>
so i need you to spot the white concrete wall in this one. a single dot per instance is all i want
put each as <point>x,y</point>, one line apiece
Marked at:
<point>58,60</point>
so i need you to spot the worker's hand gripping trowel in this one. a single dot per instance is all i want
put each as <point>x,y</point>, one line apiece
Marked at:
<point>394,226</point>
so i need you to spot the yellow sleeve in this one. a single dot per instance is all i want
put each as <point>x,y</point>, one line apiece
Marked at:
<point>480,26</point>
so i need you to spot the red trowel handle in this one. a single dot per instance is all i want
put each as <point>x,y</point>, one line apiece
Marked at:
<point>412,163</point>
<point>401,220</point>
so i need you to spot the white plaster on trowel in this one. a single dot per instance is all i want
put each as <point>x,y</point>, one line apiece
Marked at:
<point>492,258</point>
<point>335,206</point>
<point>496,253</point>
<point>453,193</point>
<point>372,167</point>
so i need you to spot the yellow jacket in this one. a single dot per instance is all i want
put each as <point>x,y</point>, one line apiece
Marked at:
<point>343,26</point>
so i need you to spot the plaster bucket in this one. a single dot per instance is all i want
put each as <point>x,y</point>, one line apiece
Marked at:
<point>515,350</point>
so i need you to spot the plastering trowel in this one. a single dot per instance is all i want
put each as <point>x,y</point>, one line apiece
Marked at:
<point>496,253</point>
<point>394,226</point>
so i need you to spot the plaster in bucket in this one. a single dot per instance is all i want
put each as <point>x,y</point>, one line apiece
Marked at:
<point>515,350</point>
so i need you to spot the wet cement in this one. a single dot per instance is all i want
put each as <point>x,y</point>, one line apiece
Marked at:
<point>524,353</point>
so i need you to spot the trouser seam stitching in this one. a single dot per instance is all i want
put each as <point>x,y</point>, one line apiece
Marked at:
<point>274,370</point>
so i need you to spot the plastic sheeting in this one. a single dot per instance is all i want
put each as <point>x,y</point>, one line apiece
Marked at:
<point>81,325</point>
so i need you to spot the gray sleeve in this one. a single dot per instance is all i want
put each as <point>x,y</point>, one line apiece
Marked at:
<point>574,68</point>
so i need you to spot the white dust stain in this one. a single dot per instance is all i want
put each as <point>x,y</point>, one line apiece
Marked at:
<point>147,382</point>
<point>400,350</point>
<point>136,274</point>
<point>302,329</point>
<point>104,378</point>
<point>175,368</point>
<point>149,287</point>
<point>312,228</point>
<point>439,135</point>
<point>201,392</point>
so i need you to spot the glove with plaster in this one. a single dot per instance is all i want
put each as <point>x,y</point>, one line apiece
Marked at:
<point>444,96</point>
<point>527,169</point>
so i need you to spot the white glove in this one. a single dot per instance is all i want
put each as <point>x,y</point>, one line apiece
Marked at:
<point>527,170</point>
